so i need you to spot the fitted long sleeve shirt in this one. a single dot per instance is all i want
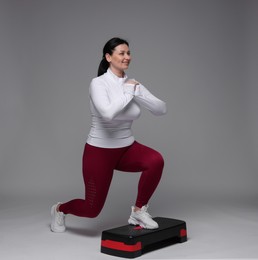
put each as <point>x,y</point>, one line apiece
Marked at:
<point>114,105</point>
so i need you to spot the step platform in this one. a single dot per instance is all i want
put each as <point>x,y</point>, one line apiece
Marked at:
<point>132,241</point>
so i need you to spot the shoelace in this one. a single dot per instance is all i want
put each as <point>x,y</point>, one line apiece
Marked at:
<point>144,210</point>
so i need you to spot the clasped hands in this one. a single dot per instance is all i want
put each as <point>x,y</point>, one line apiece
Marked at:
<point>133,82</point>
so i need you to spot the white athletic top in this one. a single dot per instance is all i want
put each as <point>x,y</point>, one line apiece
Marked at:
<point>114,104</point>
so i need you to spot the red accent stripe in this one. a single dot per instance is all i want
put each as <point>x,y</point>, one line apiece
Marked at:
<point>138,228</point>
<point>183,233</point>
<point>121,246</point>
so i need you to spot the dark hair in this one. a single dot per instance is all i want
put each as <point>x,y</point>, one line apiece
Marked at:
<point>109,48</point>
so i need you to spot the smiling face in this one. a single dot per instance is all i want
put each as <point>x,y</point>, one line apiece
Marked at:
<point>119,60</point>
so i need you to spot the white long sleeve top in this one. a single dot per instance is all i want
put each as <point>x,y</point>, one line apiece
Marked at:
<point>114,104</point>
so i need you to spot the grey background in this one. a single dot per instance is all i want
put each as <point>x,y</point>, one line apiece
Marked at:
<point>199,56</point>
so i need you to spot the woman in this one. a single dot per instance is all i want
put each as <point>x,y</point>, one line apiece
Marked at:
<point>115,101</point>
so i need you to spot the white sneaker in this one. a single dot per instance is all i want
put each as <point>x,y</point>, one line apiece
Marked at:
<point>57,220</point>
<point>142,218</point>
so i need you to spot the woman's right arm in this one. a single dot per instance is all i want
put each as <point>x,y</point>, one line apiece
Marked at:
<point>109,108</point>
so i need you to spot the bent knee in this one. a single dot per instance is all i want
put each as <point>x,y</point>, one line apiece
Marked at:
<point>91,211</point>
<point>157,160</point>
<point>93,214</point>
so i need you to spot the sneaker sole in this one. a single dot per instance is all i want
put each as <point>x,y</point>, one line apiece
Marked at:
<point>57,230</point>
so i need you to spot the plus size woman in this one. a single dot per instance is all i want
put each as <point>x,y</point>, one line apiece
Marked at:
<point>115,102</point>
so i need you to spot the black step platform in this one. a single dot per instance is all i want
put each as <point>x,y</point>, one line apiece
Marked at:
<point>132,241</point>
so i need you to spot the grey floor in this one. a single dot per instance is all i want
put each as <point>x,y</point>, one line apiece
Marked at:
<point>216,229</point>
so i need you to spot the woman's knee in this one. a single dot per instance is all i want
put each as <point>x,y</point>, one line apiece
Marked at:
<point>157,160</point>
<point>93,213</point>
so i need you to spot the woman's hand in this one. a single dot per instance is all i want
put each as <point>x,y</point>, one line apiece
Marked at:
<point>132,81</point>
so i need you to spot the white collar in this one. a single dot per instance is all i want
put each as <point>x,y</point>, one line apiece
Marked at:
<point>115,77</point>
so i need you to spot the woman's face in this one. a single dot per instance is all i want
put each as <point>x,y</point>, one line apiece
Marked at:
<point>120,58</point>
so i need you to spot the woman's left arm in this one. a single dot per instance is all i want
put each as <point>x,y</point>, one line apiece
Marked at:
<point>146,99</point>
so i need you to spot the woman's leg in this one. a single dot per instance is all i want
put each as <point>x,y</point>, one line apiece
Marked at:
<point>98,166</point>
<point>142,158</point>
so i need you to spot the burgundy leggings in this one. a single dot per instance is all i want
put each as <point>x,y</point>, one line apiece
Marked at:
<point>98,166</point>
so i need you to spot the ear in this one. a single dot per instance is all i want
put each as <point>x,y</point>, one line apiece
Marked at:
<point>108,57</point>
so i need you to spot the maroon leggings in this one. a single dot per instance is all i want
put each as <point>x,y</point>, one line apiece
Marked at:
<point>98,166</point>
